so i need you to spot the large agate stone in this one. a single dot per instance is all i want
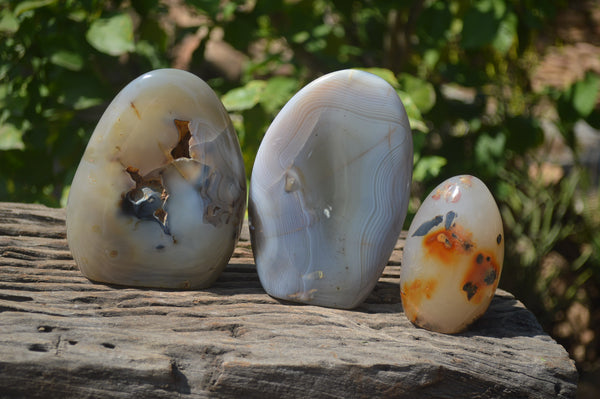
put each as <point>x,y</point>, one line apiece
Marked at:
<point>159,196</point>
<point>453,256</point>
<point>329,190</point>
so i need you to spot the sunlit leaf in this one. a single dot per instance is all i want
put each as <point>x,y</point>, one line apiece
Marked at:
<point>277,92</point>
<point>412,111</point>
<point>506,34</point>
<point>383,73</point>
<point>8,22</point>
<point>421,92</point>
<point>488,147</point>
<point>314,46</point>
<point>67,59</point>
<point>321,30</point>
<point>25,6</point>
<point>245,97</point>
<point>11,138</point>
<point>112,36</point>
<point>488,153</point>
<point>428,166</point>
<point>151,53</point>
<point>83,102</point>
<point>64,196</point>
<point>585,94</point>
<point>431,57</point>
<point>301,37</point>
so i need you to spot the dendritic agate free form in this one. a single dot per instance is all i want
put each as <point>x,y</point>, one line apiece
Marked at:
<point>159,196</point>
<point>453,256</point>
<point>329,190</point>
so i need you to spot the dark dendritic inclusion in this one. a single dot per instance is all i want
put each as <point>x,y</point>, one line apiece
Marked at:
<point>147,199</point>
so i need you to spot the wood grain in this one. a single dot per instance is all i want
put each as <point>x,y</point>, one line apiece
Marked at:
<point>62,335</point>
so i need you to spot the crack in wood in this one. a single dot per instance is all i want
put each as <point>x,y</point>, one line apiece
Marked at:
<point>15,298</point>
<point>57,349</point>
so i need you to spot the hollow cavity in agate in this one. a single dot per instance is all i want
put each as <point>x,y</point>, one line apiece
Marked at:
<point>329,190</point>
<point>159,196</point>
<point>453,256</point>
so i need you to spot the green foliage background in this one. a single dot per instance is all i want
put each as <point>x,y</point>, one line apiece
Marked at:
<point>462,68</point>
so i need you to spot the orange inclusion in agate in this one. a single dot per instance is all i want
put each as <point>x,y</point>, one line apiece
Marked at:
<point>413,294</point>
<point>447,245</point>
<point>482,276</point>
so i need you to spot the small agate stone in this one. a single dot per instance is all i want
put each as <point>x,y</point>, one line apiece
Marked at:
<point>453,256</point>
<point>329,190</point>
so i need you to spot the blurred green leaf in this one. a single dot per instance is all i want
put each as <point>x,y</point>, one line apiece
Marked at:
<point>506,34</point>
<point>301,37</point>
<point>64,196</point>
<point>11,138</point>
<point>321,30</point>
<point>585,94</point>
<point>314,46</point>
<point>255,126</point>
<point>78,90</point>
<point>112,36</point>
<point>593,119</point>
<point>523,133</point>
<point>83,102</point>
<point>277,92</point>
<point>428,167</point>
<point>151,53</point>
<point>489,147</point>
<point>420,91</point>
<point>25,6</point>
<point>430,58</point>
<point>434,23</point>
<point>67,59</point>
<point>245,97</point>
<point>151,30</point>
<point>482,22</point>
<point>384,74</point>
<point>419,142</point>
<point>489,153</point>
<point>412,111</point>
<point>209,7</point>
<point>8,22</point>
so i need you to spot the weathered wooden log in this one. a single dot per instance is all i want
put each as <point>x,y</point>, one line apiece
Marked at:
<point>64,336</point>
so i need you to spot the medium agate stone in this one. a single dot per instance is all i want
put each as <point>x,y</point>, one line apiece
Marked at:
<point>159,196</point>
<point>329,190</point>
<point>453,256</point>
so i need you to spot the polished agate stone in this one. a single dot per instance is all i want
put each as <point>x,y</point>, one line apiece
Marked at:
<point>329,190</point>
<point>453,256</point>
<point>159,196</point>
